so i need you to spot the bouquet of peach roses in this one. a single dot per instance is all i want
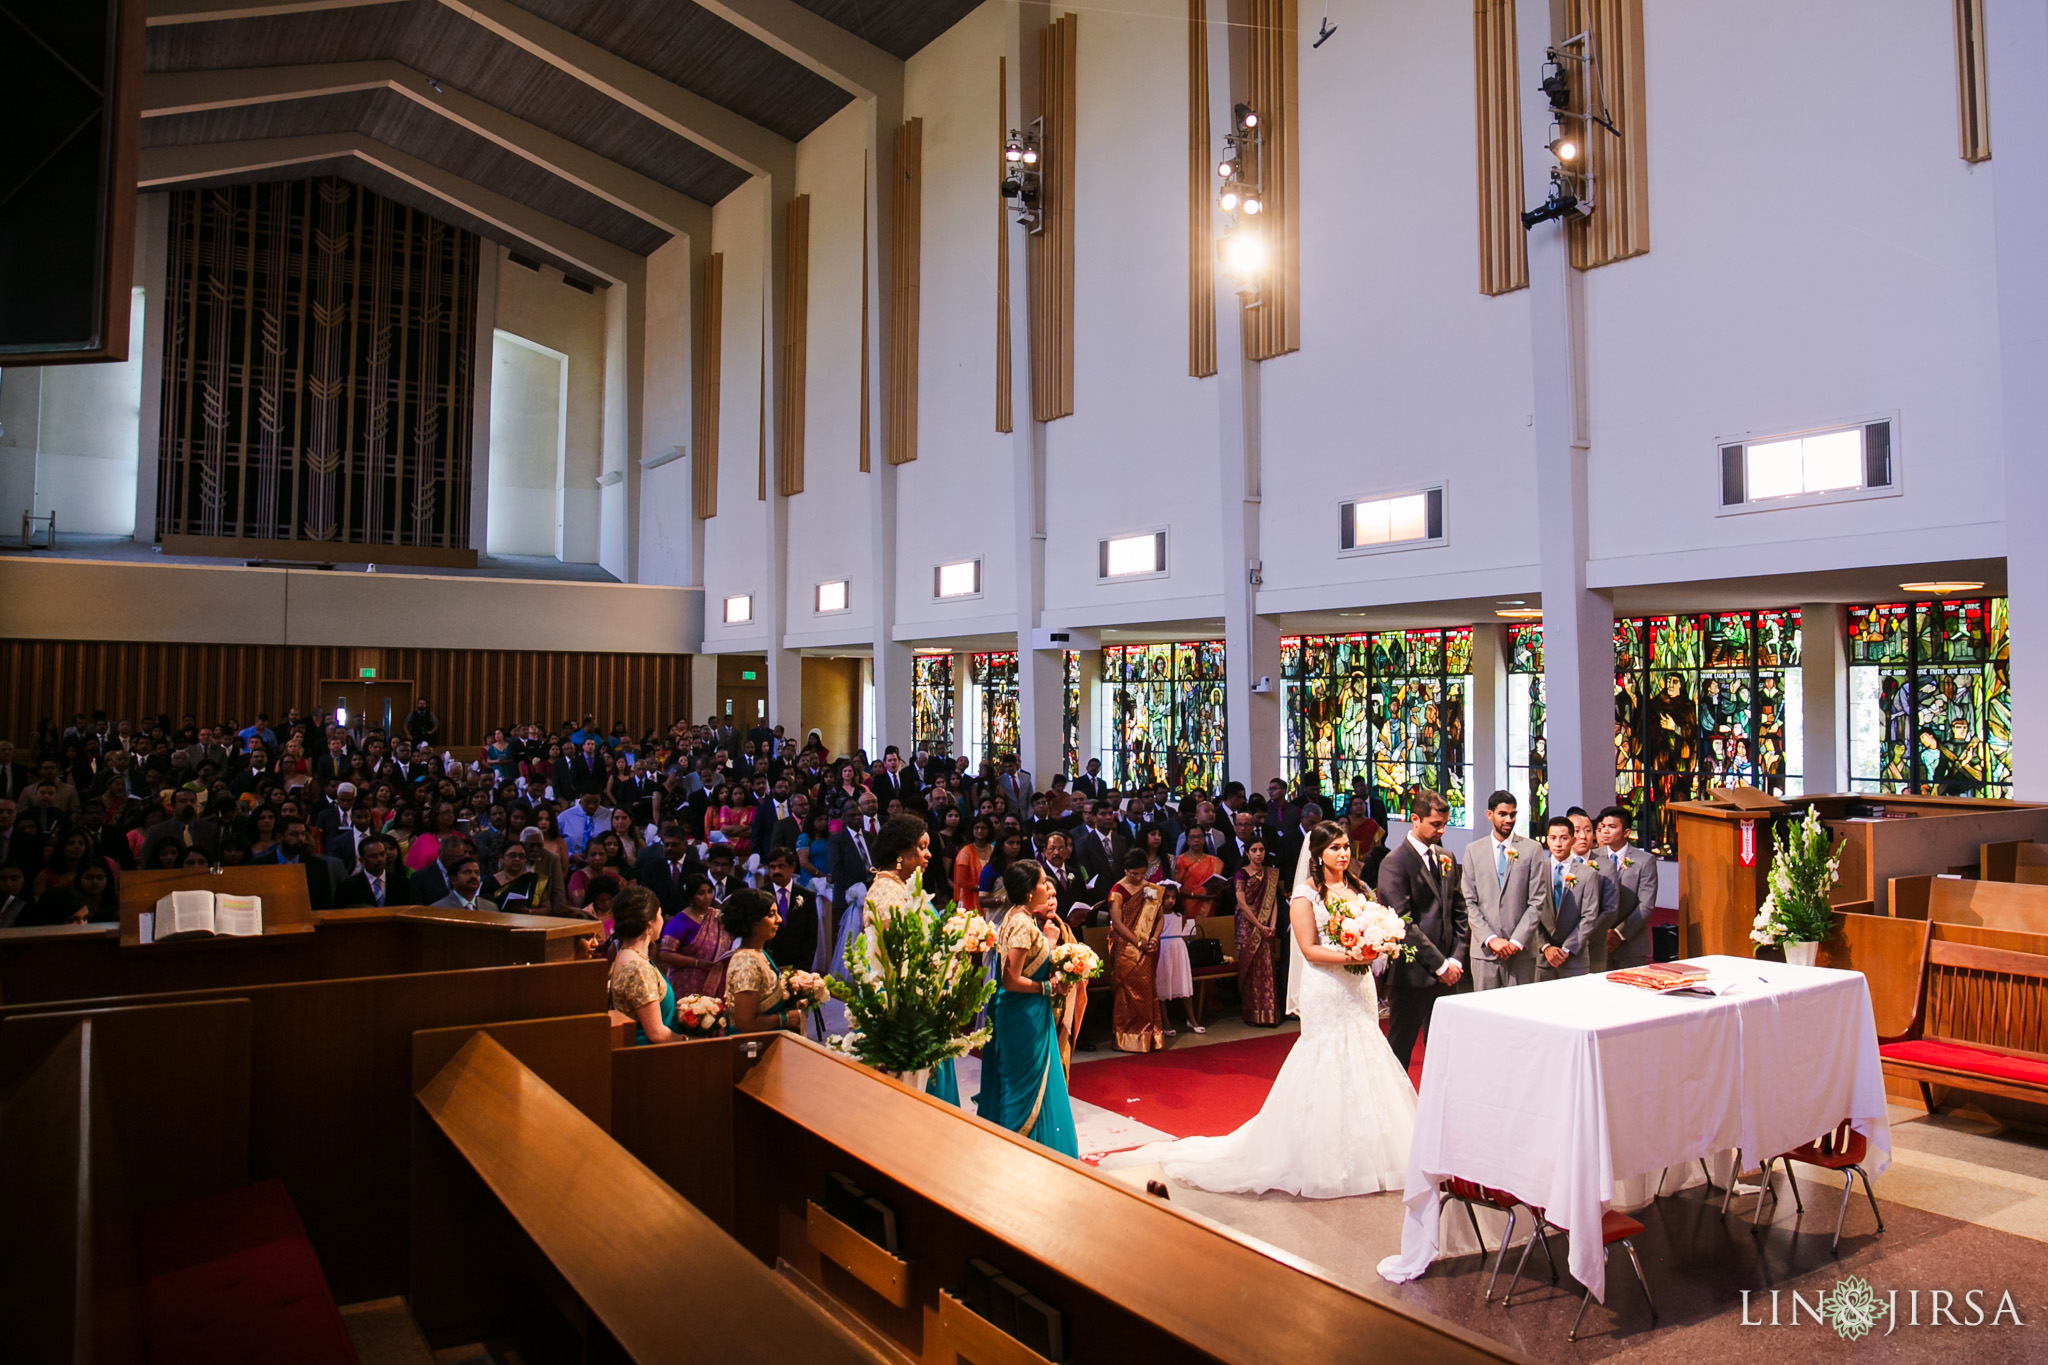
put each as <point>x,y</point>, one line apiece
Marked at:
<point>1362,925</point>
<point>703,1015</point>
<point>804,990</point>
<point>1073,964</point>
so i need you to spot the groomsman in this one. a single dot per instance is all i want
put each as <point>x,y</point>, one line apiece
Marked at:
<point>1565,894</point>
<point>1583,845</point>
<point>1496,888</point>
<point>1420,882</point>
<point>1634,874</point>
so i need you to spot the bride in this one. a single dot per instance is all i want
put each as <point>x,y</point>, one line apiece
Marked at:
<point>1341,1112</point>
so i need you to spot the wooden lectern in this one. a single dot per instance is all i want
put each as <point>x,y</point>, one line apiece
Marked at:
<point>287,909</point>
<point>1724,857</point>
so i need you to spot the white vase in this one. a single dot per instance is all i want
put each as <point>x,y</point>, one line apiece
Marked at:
<point>1801,954</point>
<point>916,1080</point>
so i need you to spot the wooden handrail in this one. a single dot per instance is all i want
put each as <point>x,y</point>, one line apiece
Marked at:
<point>620,1238</point>
<point>1975,958</point>
<point>1094,1230</point>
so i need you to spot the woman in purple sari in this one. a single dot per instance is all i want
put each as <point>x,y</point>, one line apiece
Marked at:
<point>694,946</point>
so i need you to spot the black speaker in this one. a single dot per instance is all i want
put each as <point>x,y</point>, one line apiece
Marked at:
<point>1664,943</point>
<point>72,110</point>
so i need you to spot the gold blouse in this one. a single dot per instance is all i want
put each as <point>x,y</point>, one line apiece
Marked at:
<point>635,982</point>
<point>888,895</point>
<point>1020,929</point>
<point>749,971</point>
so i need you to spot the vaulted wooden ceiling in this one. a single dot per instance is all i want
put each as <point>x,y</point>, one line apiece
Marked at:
<point>685,45</point>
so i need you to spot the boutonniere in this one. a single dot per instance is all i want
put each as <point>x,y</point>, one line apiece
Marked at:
<point>1628,862</point>
<point>1571,878</point>
<point>1443,863</point>
<point>1513,853</point>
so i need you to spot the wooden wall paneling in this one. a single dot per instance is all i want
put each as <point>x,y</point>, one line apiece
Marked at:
<point>796,331</point>
<point>905,287</point>
<point>1003,357</point>
<point>1201,200</point>
<point>1619,225</point>
<point>1973,99</point>
<point>704,412</point>
<point>1052,246</point>
<point>1272,43</point>
<point>1503,245</point>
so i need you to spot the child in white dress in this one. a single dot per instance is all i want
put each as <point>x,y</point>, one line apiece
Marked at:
<point>1176,977</point>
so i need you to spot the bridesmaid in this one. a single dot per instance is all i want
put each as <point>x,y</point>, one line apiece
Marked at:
<point>1023,1084</point>
<point>1258,901</point>
<point>1135,905</point>
<point>900,850</point>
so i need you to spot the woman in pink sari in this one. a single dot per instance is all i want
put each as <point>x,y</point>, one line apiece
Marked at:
<point>694,946</point>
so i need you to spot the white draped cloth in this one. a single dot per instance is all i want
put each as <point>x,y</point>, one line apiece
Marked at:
<point>1562,1091</point>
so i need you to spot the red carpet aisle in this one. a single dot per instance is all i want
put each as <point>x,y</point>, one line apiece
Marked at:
<point>1191,1092</point>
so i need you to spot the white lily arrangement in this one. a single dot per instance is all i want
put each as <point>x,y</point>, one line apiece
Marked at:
<point>1804,869</point>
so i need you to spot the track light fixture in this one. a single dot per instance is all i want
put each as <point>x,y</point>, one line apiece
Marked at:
<point>1245,117</point>
<point>1020,174</point>
<point>1227,201</point>
<point>1253,204</point>
<point>1563,146</point>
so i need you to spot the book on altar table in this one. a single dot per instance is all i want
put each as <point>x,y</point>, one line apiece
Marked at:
<point>192,914</point>
<point>1662,976</point>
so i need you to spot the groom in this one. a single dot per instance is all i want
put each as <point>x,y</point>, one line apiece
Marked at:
<point>1420,881</point>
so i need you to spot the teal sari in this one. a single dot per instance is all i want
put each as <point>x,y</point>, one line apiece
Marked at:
<point>668,1012</point>
<point>944,1083</point>
<point>1023,1084</point>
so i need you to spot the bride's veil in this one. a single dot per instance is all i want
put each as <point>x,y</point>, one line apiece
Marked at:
<point>1297,965</point>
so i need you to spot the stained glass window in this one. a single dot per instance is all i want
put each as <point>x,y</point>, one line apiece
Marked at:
<point>1390,707</point>
<point>1070,711</point>
<point>931,703</point>
<point>1703,701</point>
<point>1528,768</point>
<point>1930,708</point>
<point>1162,716</point>
<point>993,723</point>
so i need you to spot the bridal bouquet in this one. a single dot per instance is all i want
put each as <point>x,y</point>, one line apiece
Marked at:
<point>976,935</point>
<point>700,1014</point>
<point>912,996</point>
<point>804,990</point>
<point>1073,964</point>
<point>1358,924</point>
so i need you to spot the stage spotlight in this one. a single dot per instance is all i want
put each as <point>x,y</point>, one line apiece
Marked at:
<point>1031,156</point>
<point>1227,201</point>
<point>1013,152</point>
<point>1563,148</point>
<point>1252,203</point>
<point>1226,169</point>
<point>1557,86</point>
<point>1245,117</point>
<point>1559,205</point>
<point>1245,254</point>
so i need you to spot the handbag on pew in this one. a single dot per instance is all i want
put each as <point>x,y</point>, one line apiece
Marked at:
<point>1205,952</point>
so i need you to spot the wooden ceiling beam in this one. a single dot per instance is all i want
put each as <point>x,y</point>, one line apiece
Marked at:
<point>165,12</point>
<point>164,167</point>
<point>816,43</point>
<point>181,92</point>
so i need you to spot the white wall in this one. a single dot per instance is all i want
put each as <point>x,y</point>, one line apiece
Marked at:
<point>666,524</point>
<point>70,445</point>
<point>736,540</point>
<point>829,533</point>
<point>954,501</point>
<point>538,306</point>
<point>529,423</point>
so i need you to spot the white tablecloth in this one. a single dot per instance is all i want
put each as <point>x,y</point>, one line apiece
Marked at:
<point>1559,1091</point>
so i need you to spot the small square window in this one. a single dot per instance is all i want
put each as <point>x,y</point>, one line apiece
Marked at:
<point>831,597</point>
<point>1393,520</point>
<point>1819,466</point>
<point>739,609</point>
<point>1132,556</point>
<point>959,579</point>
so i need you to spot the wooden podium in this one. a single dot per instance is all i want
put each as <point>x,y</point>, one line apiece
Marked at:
<point>287,909</point>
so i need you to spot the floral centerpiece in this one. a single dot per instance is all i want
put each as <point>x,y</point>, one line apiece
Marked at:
<point>1804,869</point>
<point>1073,964</point>
<point>915,989</point>
<point>1360,924</point>
<point>700,1015</point>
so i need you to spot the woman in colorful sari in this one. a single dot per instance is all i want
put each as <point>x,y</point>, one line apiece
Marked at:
<point>694,945</point>
<point>1193,869</point>
<point>1135,907</point>
<point>1258,902</point>
<point>973,856</point>
<point>1023,1084</point>
<point>900,850</point>
<point>637,986</point>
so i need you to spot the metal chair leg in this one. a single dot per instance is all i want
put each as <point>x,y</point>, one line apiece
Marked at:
<point>1871,1195</point>
<point>1469,1213</point>
<point>1543,1231</point>
<point>1848,1186</point>
<point>1573,1335</point>
<point>1792,1179</point>
<point>1515,1281</point>
<point>1757,1214</point>
<point>1734,1179</point>
<point>1642,1279</point>
<point>1705,1175</point>
<point>1505,1238</point>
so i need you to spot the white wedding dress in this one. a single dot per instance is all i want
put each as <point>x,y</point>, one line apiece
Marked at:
<point>1341,1112</point>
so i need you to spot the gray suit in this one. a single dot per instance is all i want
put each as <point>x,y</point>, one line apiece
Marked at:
<point>1636,900</point>
<point>1501,909</point>
<point>1566,924</point>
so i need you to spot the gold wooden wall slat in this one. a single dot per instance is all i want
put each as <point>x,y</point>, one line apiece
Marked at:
<point>1503,245</point>
<point>1619,225</point>
<point>711,347</point>
<point>796,325</point>
<point>1201,189</point>
<point>1003,357</point>
<point>905,284</point>
<point>866,342</point>
<point>1973,97</point>
<point>1052,284</point>
<point>1272,43</point>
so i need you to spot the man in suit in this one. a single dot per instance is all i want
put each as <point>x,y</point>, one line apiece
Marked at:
<point>337,815</point>
<point>433,881</point>
<point>718,871</point>
<point>465,879</point>
<point>1583,846</point>
<point>1100,852</point>
<point>850,864</point>
<point>1633,872</point>
<point>894,782</point>
<point>184,827</point>
<point>322,873</point>
<point>668,869</point>
<point>1070,892</point>
<point>1293,840</point>
<point>1565,893</point>
<point>1419,881</point>
<point>379,879</point>
<point>1090,783</point>
<point>12,902</point>
<point>796,943</point>
<point>15,778</point>
<point>1015,785</point>
<point>1496,891</point>
<point>771,805</point>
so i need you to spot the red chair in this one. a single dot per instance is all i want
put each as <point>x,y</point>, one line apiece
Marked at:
<point>1618,1227</point>
<point>1842,1150</point>
<point>1469,1193</point>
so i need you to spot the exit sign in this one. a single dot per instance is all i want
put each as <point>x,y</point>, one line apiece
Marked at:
<point>367,672</point>
<point>747,675</point>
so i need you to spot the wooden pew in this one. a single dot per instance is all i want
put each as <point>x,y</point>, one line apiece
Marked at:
<point>526,1201</point>
<point>2014,860</point>
<point>329,1067</point>
<point>1134,1278</point>
<point>2015,906</point>
<point>1983,1022</point>
<point>1892,955</point>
